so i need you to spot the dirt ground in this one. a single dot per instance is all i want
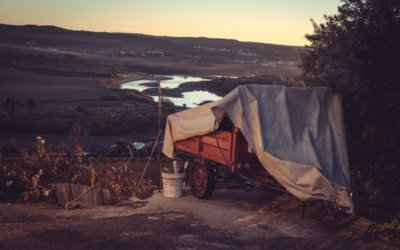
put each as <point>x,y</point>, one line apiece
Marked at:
<point>231,219</point>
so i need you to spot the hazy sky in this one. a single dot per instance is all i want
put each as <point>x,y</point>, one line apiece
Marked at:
<point>269,21</point>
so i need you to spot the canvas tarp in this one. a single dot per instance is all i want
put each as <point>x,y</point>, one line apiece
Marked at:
<point>297,134</point>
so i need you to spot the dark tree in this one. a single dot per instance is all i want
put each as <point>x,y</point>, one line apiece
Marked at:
<point>357,53</point>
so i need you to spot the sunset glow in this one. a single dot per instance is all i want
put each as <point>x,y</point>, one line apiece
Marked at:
<point>279,22</point>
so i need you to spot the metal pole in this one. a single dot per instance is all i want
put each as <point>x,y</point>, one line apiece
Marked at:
<point>159,115</point>
<point>159,129</point>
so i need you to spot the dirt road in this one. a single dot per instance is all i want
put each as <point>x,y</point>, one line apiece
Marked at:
<point>231,219</point>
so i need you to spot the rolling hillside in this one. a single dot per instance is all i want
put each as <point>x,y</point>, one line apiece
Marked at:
<point>139,44</point>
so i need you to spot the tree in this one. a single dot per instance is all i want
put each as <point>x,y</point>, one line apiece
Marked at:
<point>357,53</point>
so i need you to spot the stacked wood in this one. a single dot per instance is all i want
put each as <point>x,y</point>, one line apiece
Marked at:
<point>67,192</point>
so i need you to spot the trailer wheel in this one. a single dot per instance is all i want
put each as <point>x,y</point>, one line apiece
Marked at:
<point>202,180</point>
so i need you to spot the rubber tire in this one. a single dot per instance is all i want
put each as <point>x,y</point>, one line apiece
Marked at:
<point>207,186</point>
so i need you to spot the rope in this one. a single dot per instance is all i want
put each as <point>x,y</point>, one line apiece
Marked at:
<point>220,149</point>
<point>148,161</point>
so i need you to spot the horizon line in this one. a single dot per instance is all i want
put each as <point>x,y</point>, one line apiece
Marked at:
<point>155,35</point>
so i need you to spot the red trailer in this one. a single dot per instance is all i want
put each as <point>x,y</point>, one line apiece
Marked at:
<point>219,155</point>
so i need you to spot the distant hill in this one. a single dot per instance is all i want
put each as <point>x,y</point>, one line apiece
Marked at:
<point>135,44</point>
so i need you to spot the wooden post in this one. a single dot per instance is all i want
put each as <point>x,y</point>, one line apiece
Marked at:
<point>92,175</point>
<point>159,116</point>
<point>159,130</point>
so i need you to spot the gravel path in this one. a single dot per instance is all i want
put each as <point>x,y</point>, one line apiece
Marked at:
<point>231,219</point>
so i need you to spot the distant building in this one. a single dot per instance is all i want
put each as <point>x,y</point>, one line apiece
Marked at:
<point>155,52</point>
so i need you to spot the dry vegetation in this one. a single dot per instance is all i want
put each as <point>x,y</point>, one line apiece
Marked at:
<point>28,176</point>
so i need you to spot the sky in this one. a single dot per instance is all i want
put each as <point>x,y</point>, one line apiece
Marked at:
<point>268,21</point>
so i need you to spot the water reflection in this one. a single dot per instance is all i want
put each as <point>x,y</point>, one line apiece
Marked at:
<point>136,85</point>
<point>193,98</point>
<point>175,80</point>
<point>189,99</point>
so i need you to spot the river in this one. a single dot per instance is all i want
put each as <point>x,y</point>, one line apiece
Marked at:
<point>190,98</point>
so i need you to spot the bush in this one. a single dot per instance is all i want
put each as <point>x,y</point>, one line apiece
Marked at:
<point>356,52</point>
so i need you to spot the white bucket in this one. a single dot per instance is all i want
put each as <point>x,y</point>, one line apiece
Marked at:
<point>173,184</point>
